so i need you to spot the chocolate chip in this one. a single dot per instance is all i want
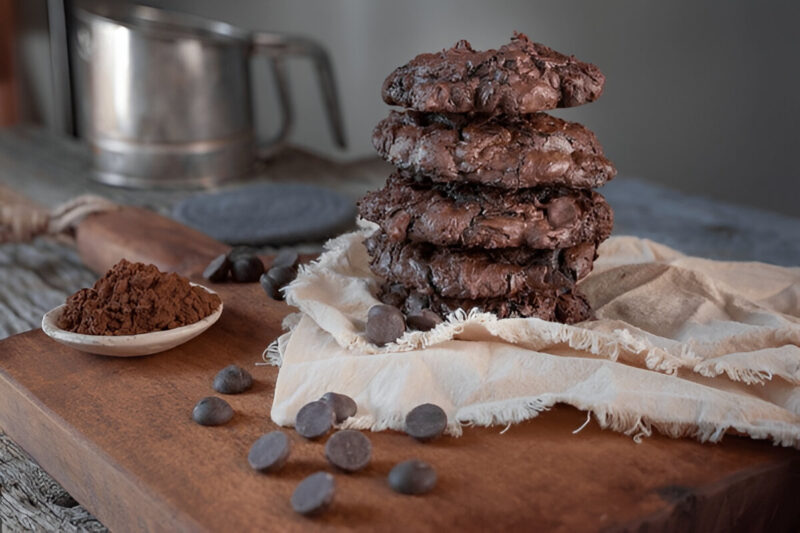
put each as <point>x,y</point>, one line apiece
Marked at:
<point>239,252</point>
<point>412,477</point>
<point>218,269</point>
<point>426,421</point>
<point>348,450</point>
<point>385,324</point>
<point>314,419</point>
<point>212,411</point>
<point>286,258</point>
<point>424,320</point>
<point>275,279</point>
<point>269,452</point>
<point>313,494</point>
<point>247,269</point>
<point>343,406</point>
<point>561,211</point>
<point>282,276</point>
<point>270,287</point>
<point>232,379</point>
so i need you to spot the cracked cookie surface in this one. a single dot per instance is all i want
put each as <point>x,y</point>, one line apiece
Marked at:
<point>535,150</point>
<point>483,217</point>
<point>567,307</point>
<point>520,77</point>
<point>472,274</point>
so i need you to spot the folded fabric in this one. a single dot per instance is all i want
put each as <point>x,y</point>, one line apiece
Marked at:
<point>683,345</point>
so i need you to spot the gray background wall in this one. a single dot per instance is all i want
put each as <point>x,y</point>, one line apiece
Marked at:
<point>701,96</point>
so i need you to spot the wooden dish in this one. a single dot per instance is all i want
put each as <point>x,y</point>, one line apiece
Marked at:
<point>127,345</point>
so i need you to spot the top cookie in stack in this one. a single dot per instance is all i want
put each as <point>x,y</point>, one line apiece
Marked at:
<point>491,205</point>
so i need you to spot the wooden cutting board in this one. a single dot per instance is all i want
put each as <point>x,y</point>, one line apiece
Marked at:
<point>117,434</point>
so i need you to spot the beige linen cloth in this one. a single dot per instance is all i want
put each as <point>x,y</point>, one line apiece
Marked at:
<point>683,345</point>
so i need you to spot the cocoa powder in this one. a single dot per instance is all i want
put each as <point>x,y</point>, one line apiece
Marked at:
<point>134,298</point>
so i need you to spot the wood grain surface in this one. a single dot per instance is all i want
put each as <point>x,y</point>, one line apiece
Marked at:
<point>30,500</point>
<point>117,434</point>
<point>138,234</point>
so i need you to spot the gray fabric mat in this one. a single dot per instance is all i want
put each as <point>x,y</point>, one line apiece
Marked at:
<point>268,213</point>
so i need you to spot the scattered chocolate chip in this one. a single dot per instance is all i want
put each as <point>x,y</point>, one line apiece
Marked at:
<point>232,379</point>
<point>269,286</point>
<point>313,494</point>
<point>348,450</point>
<point>314,419</point>
<point>282,276</point>
<point>212,411</point>
<point>562,211</point>
<point>412,477</point>
<point>286,258</point>
<point>385,324</point>
<point>426,421</point>
<point>218,269</point>
<point>269,452</point>
<point>239,252</point>
<point>247,269</point>
<point>424,320</point>
<point>275,279</point>
<point>343,406</point>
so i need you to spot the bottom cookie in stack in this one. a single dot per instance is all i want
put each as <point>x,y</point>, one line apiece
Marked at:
<point>514,282</point>
<point>568,307</point>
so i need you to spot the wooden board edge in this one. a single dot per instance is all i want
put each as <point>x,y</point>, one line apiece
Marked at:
<point>102,239</point>
<point>757,499</point>
<point>83,469</point>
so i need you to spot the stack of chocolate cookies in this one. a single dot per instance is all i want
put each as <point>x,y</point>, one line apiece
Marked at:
<point>491,205</point>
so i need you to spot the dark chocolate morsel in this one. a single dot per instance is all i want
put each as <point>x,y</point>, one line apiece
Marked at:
<point>212,411</point>
<point>424,320</point>
<point>282,275</point>
<point>348,450</point>
<point>412,477</point>
<point>247,269</point>
<point>314,494</point>
<point>270,287</point>
<point>269,452</point>
<point>232,379</point>
<point>343,406</point>
<point>385,324</point>
<point>286,258</point>
<point>275,279</point>
<point>238,252</point>
<point>426,421</point>
<point>314,419</point>
<point>218,269</point>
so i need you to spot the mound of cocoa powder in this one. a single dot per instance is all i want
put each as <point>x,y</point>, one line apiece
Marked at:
<point>134,298</point>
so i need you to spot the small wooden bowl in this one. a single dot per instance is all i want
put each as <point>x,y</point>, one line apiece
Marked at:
<point>127,345</point>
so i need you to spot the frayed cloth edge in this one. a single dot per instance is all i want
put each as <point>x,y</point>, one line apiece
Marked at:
<point>621,420</point>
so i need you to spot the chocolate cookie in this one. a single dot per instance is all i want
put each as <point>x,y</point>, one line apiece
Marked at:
<point>521,77</point>
<point>486,217</point>
<point>536,150</point>
<point>472,274</point>
<point>568,308</point>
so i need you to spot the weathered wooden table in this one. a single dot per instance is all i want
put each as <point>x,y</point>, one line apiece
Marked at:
<point>38,276</point>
